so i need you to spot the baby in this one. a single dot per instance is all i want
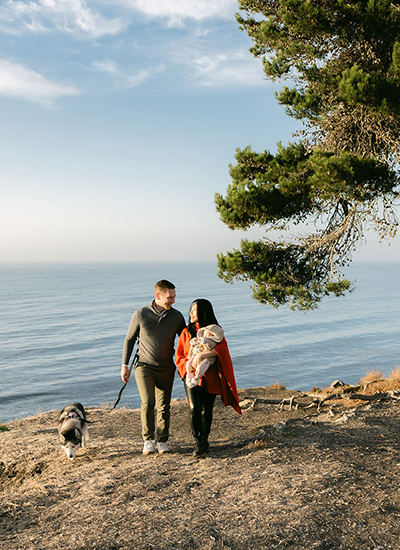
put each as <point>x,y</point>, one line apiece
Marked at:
<point>206,340</point>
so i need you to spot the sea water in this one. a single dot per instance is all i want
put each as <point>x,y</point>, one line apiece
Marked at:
<point>62,328</point>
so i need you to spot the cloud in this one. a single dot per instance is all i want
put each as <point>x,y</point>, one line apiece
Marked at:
<point>69,16</point>
<point>88,19</point>
<point>122,77</point>
<point>231,68</point>
<point>20,82</point>
<point>176,12</point>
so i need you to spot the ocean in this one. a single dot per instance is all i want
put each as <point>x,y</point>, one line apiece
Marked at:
<point>62,328</point>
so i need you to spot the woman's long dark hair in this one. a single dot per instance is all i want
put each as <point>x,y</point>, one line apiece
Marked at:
<point>205,315</point>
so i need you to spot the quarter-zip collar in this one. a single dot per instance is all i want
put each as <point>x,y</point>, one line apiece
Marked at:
<point>155,310</point>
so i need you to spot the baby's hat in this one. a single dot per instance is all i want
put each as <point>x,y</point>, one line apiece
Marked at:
<point>216,331</point>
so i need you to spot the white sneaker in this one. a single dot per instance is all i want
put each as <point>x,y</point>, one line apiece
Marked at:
<point>162,447</point>
<point>148,447</point>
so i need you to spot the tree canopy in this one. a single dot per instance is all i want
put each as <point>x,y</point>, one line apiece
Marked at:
<point>341,61</point>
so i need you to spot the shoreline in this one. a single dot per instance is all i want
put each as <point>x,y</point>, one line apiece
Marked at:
<point>337,386</point>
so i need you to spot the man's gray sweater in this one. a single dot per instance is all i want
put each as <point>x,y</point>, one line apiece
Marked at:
<point>156,334</point>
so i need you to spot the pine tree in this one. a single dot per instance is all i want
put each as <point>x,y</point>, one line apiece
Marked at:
<point>342,60</point>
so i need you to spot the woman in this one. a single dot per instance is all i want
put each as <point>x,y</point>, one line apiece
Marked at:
<point>217,380</point>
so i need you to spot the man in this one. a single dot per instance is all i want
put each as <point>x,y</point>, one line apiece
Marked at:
<point>155,327</point>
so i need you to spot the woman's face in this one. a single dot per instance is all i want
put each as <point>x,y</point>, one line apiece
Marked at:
<point>193,313</point>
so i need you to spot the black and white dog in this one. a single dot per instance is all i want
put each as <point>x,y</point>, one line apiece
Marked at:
<point>72,428</point>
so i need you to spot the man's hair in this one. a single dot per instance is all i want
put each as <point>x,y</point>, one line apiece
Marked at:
<point>163,285</point>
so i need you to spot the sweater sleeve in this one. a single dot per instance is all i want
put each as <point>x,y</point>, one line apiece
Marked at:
<point>131,337</point>
<point>182,351</point>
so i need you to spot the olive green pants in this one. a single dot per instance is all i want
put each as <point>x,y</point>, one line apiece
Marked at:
<point>155,388</point>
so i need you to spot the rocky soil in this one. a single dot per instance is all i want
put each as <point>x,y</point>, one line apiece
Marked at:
<point>281,476</point>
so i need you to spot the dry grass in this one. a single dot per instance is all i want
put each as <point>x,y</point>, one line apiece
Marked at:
<point>327,483</point>
<point>374,381</point>
<point>277,386</point>
<point>371,376</point>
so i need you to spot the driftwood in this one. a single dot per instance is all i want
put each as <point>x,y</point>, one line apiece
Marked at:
<point>378,396</point>
<point>352,389</point>
<point>250,404</point>
<point>317,401</point>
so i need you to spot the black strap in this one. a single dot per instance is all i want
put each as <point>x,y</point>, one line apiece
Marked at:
<point>135,360</point>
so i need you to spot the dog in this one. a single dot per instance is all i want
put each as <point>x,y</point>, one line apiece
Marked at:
<point>72,429</point>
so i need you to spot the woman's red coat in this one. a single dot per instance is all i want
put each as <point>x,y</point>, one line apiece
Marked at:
<point>219,379</point>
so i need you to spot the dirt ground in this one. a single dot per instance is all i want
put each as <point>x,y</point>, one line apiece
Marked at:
<point>276,478</point>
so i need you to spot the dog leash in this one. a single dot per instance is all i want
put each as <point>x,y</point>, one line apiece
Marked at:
<point>135,360</point>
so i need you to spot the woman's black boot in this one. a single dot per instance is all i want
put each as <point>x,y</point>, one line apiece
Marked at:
<point>198,449</point>
<point>205,447</point>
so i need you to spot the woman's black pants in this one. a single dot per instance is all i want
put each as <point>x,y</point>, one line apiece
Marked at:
<point>201,404</point>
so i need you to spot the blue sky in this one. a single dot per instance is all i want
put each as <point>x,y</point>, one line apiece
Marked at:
<point>119,121</point>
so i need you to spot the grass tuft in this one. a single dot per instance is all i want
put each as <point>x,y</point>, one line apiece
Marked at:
<point>277,386</point>
<point>316,389</point>
<point>375,380</point>
<point>371,376</point>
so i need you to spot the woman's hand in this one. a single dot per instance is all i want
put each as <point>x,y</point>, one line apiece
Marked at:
<point>203,355</point>
<point>196,361</point>
<point>189,367</point>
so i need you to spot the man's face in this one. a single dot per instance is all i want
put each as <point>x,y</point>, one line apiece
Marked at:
<point>165,299</point>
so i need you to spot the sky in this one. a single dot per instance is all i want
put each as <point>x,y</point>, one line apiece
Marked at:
<point>120,119</point>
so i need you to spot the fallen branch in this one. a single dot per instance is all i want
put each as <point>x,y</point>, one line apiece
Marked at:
<point>319,401</point>
<point>378,396</point>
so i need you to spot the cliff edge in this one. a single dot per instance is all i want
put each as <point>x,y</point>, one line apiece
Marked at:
<point>292,472</point>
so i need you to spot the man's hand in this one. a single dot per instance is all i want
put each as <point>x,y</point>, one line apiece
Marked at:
<point>124,374</point>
